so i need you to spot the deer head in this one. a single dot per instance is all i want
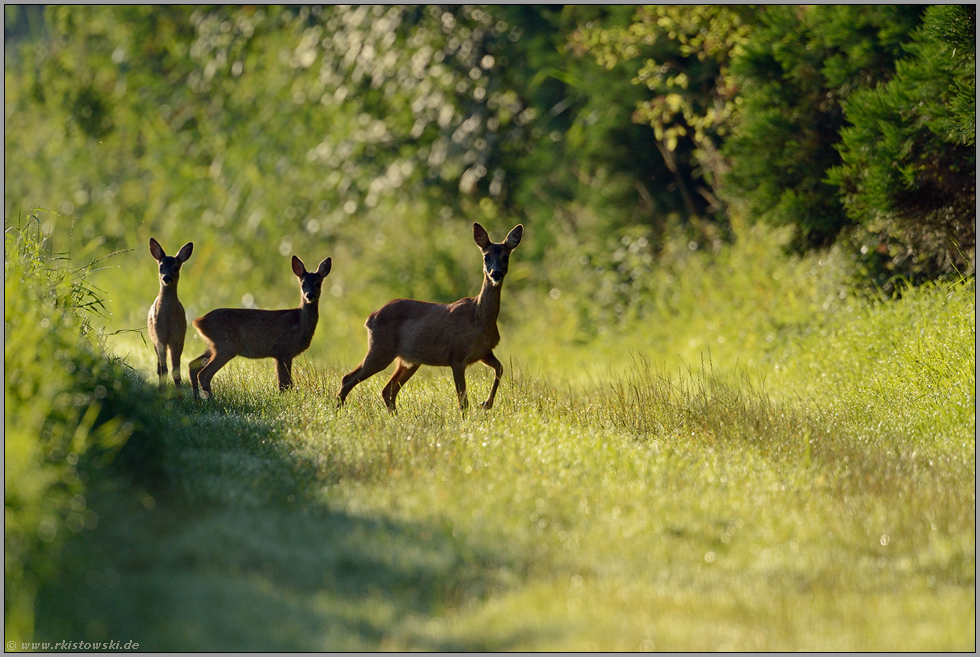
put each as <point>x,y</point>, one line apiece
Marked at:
<point>310,282</point>
<point>170,265</point>
<point>496,256</point>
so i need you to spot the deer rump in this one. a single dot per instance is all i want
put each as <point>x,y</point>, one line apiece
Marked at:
<point>427,333</point>
<point>255,333</point>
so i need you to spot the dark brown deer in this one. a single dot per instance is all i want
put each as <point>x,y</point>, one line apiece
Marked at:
<point>167,323</point>
<point>445,335</point>
<point>253,333</point>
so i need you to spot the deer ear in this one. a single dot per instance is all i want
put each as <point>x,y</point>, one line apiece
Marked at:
<point>156,250</point>
<point>514,237</point>
<point>480,236</point>
<point>298,267</point>
<point>185,252</point>
<point>324,268</point>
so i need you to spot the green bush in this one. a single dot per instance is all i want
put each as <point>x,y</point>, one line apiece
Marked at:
<point>800,65</point>
<point>68,411</point>
<point>908,174</point>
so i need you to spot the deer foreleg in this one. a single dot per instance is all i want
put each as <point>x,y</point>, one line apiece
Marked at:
<point>284,373</point>
<point>161,350</point>
<point>459,377</point>
<point>491,361</point>
<point>175,351</point>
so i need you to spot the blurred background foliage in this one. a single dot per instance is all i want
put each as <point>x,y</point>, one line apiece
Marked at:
<point>378,134</point>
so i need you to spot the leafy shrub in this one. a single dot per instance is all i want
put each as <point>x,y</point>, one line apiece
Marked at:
<point>909,156</point>
<point>68,411</point>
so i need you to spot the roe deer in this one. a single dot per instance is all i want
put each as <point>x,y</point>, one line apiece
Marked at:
<point>448,335</point>
<point>166,321</point>
<point>252,333</point>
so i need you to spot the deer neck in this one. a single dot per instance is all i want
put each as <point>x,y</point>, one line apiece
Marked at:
<point>488,303</point>
<point>168,293</point>
<point>309,314</point>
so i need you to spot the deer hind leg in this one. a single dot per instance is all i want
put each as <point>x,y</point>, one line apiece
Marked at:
<point>218,360</point>
<point>491,361</point>
<point>373,362</point>
<point>284,373</point>
<point>195,368</point>
<point>459,378</point>
<point>403,372</point>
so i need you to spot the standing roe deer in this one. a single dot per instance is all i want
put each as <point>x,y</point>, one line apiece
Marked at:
<point>166,321</point>
<point>448,335</point>
<point>252,333</point>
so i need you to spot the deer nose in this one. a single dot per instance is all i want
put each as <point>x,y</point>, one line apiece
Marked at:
<point>496,275</point>
<point>166,279</point>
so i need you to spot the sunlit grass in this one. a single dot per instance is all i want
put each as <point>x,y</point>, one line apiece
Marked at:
<point>811,491</point>
<point>647,510</point>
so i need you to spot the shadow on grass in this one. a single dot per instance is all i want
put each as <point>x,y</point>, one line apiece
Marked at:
<point>237,551</point>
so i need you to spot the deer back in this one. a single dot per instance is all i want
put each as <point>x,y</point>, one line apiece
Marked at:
<point>255,333</point>
<point>434,333</point>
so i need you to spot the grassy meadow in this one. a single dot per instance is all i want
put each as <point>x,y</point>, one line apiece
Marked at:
<point>762,460</point>
<point>738,407</point>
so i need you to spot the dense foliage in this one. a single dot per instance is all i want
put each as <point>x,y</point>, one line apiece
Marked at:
<point>68,412</point>
<point>837,119</point>
<point>909,153</point>
<point>687,54</point>
<point>261,128</point>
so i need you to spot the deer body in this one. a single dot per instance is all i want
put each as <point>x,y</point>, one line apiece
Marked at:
<point>453,335</point>
<point>251,333</point>
<point>439,334</point>
<point>166,321</point>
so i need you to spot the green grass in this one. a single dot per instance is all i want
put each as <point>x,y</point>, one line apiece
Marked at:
<point>649,511</point>
<point>813,491</point>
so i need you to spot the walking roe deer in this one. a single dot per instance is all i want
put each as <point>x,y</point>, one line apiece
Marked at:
<point>253,333</point>
<point>166,322</point>
<point>446,335</point>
